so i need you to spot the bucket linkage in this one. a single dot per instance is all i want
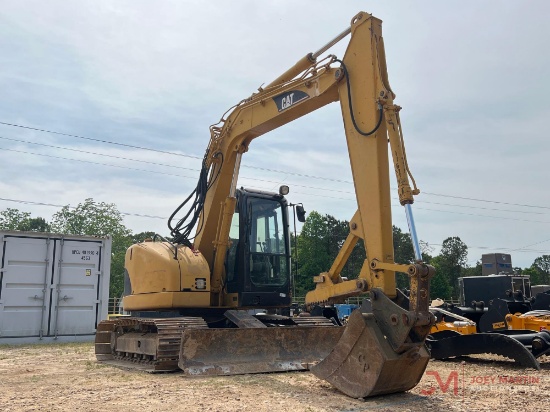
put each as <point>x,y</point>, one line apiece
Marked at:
<point>383,351</point>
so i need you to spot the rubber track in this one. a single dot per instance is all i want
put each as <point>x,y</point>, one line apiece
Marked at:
<point>169,332</point>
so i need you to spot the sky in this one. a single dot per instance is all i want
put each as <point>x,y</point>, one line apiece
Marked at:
<point>105,75</point>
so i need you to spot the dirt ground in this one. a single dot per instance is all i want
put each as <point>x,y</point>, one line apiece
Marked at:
<point>66,377</point>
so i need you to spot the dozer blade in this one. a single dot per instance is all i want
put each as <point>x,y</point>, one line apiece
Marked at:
<point>363,363</point>
<point>481,343</point>
<point>258,350</point>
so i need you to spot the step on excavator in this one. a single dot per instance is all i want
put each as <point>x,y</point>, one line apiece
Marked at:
<point>193,301</point>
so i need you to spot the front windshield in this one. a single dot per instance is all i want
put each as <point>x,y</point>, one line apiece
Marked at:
<point>268,253</point>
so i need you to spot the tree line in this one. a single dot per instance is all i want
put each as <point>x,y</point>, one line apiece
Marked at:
<point>314,249</point>
<point>321,236</point>
<point>88,218</point>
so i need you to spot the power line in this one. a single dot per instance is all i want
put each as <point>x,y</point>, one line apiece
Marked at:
<point>97,154</point>
<point>306,194</point>
<point>498,248</point>
<point>163,151</point>
<point>273,170</point>
<point>261,168</point>
<point>262,180</point>
<point>486,201</point>
<point>73,207</point>
<point>523,249</point>
<point>95,163</point>
<point>148,162</point>
<point>477,207</point>
<point>473,214</point>
<point>533,244</point>
<point>100,140</point>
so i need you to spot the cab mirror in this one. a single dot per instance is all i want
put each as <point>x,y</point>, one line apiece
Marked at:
<point>301,213</point>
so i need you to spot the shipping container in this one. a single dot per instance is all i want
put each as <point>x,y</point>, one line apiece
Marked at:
<point>53,287</point>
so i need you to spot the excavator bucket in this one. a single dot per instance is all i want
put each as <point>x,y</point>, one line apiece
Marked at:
<point>255,350</point>
<point>363,363</point>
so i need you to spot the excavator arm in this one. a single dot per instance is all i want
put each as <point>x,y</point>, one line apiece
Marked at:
<point>371,119</point>
<point>381,351</point>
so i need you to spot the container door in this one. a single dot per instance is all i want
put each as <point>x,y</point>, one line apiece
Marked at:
<point>25,286</point>
<point>77,269</point>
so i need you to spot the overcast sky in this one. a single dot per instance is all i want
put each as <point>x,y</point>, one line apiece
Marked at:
<point>471,76</point>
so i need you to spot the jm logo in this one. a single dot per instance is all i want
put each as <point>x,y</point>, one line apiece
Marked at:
<point>451,379</point>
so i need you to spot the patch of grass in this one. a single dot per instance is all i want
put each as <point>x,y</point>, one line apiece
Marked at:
<point>255,379</point>
<point>79,346</point>
<point>7,346</point>
<point>213,380</point>
<point>127,377</point>
<point>90,365</point>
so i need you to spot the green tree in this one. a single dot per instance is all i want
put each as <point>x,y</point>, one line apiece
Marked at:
<point>534,275</point>
<point>98,219</point>
<point>541,266</point>
<point>13,219</point>
<point>319,242</point>
<point>426,250</point>
<point>403,253</point>
<point>141,236</point>
<point>90,218</point>
<point>313,252</point>
<point>453,257</point>
<point>473,270</point>
<point>439,285</point>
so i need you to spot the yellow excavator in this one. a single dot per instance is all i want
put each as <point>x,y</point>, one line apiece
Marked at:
<point>193,300</point>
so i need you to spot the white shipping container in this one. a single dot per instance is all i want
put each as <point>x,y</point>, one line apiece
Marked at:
<point>52,287</point>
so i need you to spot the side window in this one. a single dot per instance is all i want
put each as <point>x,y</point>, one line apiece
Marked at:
<point>259,244</point>
<point>232,251</point>
<point>276,234</point>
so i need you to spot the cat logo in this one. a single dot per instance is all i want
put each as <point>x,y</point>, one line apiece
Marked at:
<point>499,325</point>
<point>289,99</point>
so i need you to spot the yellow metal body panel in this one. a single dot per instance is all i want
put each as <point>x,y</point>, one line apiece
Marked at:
<point>536,323</point>
<point>231,300</point>
<point>166,300</point>
<point>457,327</point>
<point>162,278</point>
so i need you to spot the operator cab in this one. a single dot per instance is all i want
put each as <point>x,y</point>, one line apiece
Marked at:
<point>258,259</point>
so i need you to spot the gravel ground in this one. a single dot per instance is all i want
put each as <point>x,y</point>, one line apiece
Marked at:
<point>66,377</point>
